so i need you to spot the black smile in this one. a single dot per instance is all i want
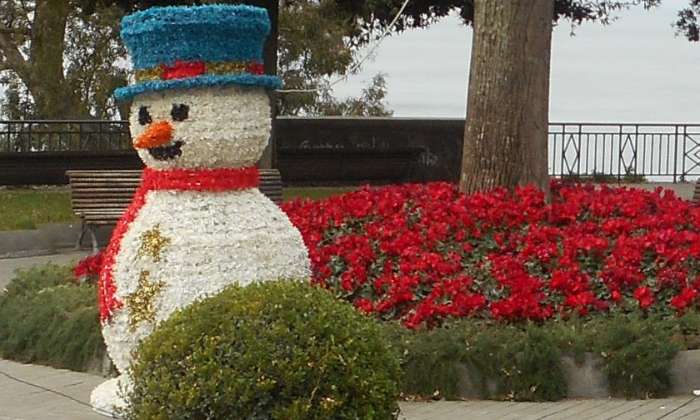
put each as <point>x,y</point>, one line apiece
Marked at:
<point>167,152</point>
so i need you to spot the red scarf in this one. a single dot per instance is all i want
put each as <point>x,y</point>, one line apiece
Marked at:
<point>152,180</point>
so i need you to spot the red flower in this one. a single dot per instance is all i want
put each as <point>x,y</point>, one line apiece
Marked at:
<point>645,297</point>
<point>364,305</point>
<point>684,299</point>
<point>421,253</point>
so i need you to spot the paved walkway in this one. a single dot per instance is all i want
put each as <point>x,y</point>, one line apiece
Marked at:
<point>9,265</point>
<point>18,400</point>
<point>671,408</point>
<point>21,401</point>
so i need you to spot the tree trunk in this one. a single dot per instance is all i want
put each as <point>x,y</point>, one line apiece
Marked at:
<point>505,139</point>
<point>53,97</point>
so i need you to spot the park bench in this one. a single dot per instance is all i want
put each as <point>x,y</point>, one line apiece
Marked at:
<point>100,197</point>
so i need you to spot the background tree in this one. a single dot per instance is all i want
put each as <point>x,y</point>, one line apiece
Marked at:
<point>66,64</point>
<point>687,23</point>
<point>505,137</point>
<point>505,140</point>
<point>62,54</point>
<point>316,44</point>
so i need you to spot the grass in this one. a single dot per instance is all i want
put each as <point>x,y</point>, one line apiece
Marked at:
<point>28,208</point>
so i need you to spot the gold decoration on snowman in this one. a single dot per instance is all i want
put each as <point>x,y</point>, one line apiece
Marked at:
<point>198,223</point>
<point>152,243</point>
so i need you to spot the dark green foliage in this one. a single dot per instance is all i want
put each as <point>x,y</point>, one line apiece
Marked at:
<point>637,354</point>
<point>524,363</point>
<point>375,15</point>
<point>602,178</point>
<point>431,360</point>
<point>31,281</point>
<point>521,363</point>
<point>279,350</point>
<point>688,331</point>
<point>687,23</point>
<point>46,318</point>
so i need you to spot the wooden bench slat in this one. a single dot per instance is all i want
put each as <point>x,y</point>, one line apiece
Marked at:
<point>92,212</point>
<point>89,181</point>
<point>101,215</point>
<point>93,205</point>
<point>98,207</point>
<point>132,186</point>
<point>119,189</point>
<point>101,197</point>
<point>87,172</point>
<point>79,200</point>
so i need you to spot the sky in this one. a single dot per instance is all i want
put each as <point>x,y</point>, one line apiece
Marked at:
<point>634,70</point>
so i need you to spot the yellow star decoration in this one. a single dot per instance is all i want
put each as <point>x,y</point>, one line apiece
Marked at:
<point>141,303</point>
<point>152,243</point>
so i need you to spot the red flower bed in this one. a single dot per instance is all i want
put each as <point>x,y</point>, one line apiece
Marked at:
<point>421,253</point>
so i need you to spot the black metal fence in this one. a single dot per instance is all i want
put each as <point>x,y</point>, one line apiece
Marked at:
<point>666,151</point>
<point>669,152</point>
<point>63,136</point>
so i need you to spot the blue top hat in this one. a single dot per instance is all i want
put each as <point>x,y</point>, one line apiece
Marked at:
<point>188,47</point>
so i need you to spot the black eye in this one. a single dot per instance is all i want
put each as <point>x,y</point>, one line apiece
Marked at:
<point>144,116</point>
<point>180,112</point>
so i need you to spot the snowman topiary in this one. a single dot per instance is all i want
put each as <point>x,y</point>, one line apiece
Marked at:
<point>200,121</point>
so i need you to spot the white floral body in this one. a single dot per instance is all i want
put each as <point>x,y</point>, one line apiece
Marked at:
<point>204,241</point>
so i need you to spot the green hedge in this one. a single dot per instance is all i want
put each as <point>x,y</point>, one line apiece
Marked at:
<point>277,350</point>
<point>522,362</point>
<point>46,318</point>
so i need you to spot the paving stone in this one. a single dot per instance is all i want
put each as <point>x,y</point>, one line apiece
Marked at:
<point>690,411</point>
<point>656,409</point>
<point>19,401</point>
<point>589,408</point>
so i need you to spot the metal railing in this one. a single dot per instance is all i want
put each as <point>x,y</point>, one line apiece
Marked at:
<point>666,151</point>
<point>64,136</point>
<point>661,151</point>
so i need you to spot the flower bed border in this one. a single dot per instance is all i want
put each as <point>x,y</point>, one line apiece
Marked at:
<point>587,379</point>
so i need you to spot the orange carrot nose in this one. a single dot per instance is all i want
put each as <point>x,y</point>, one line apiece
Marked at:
<point>156,134</point>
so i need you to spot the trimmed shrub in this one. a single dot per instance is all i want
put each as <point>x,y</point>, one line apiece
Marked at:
<point>637,354</point>
<point>278,350</point>
<point>431,360</point>
<point>521,364</point>
<point>46,318</point>
<point>505,362</point>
